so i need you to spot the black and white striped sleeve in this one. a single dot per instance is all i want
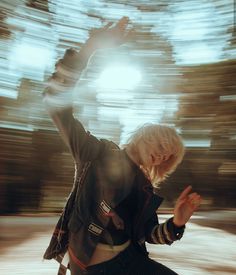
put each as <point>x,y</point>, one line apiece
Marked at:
<point>165,233</point>
<point>59,87</point>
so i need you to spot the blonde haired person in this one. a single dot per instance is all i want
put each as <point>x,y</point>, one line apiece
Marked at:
<point>163,146</point>
<point>111,211</point>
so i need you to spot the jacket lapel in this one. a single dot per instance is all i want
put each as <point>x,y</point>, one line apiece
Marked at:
<point>149,202</point>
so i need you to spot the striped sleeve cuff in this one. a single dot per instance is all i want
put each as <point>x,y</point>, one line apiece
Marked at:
<point>59,87</point>
<point>167,233</point>
<point>70,66</point>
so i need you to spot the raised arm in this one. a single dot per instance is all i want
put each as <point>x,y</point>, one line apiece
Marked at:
<point>58,100</point>
<point>58,93</point>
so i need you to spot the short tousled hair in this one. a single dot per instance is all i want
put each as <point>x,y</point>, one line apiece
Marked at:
<point>167,141</point>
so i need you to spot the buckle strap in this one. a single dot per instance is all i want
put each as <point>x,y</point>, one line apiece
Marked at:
<point>95,229</point>
<point>105,207</point>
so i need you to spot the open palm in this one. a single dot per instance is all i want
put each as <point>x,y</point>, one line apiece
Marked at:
<point>110,36</point>
<point>185,206</point>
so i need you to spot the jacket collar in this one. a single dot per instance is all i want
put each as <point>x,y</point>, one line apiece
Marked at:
<point>150,201</point>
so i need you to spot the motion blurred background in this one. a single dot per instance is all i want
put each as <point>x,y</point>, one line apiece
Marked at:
<point>180,69</point>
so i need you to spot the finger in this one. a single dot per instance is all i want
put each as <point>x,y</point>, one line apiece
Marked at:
<point>122,23</point>
<point>195,202</point>
<point>185,192</point>
<point>94,31</point>
<point>124,20</point>
<point>98,30</point>
<point>195,199</point>
<point>179,203</point>
<point>192,195</point>
<point>108,25</point>
<point>130,35</point>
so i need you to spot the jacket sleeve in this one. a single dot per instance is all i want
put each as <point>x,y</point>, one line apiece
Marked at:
<point>58,101</point>
<point>163,233</point>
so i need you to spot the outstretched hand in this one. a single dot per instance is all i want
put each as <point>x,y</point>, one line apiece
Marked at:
<point>185,206</point>
<point>110,36</point>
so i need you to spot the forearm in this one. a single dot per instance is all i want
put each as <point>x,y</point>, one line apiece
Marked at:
<point>68,69</point>
<point>166,233</point>
<point>58,99</point>
<point>74,62</point>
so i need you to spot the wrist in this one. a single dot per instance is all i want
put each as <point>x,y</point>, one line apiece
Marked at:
<point>88,49</point>
<point>177,223</point>
<point>176,231</point>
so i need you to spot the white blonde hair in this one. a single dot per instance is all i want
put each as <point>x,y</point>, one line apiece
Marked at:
<point>167,142</point>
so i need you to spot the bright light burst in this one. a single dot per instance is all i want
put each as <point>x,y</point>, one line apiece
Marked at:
<point>119,77</point>
<point>31,56</point>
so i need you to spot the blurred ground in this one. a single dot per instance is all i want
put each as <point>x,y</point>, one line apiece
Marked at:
<point>208,246</point>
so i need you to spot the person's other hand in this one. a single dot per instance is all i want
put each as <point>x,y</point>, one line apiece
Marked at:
<point>185,206</point>
<point>110,36</point>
